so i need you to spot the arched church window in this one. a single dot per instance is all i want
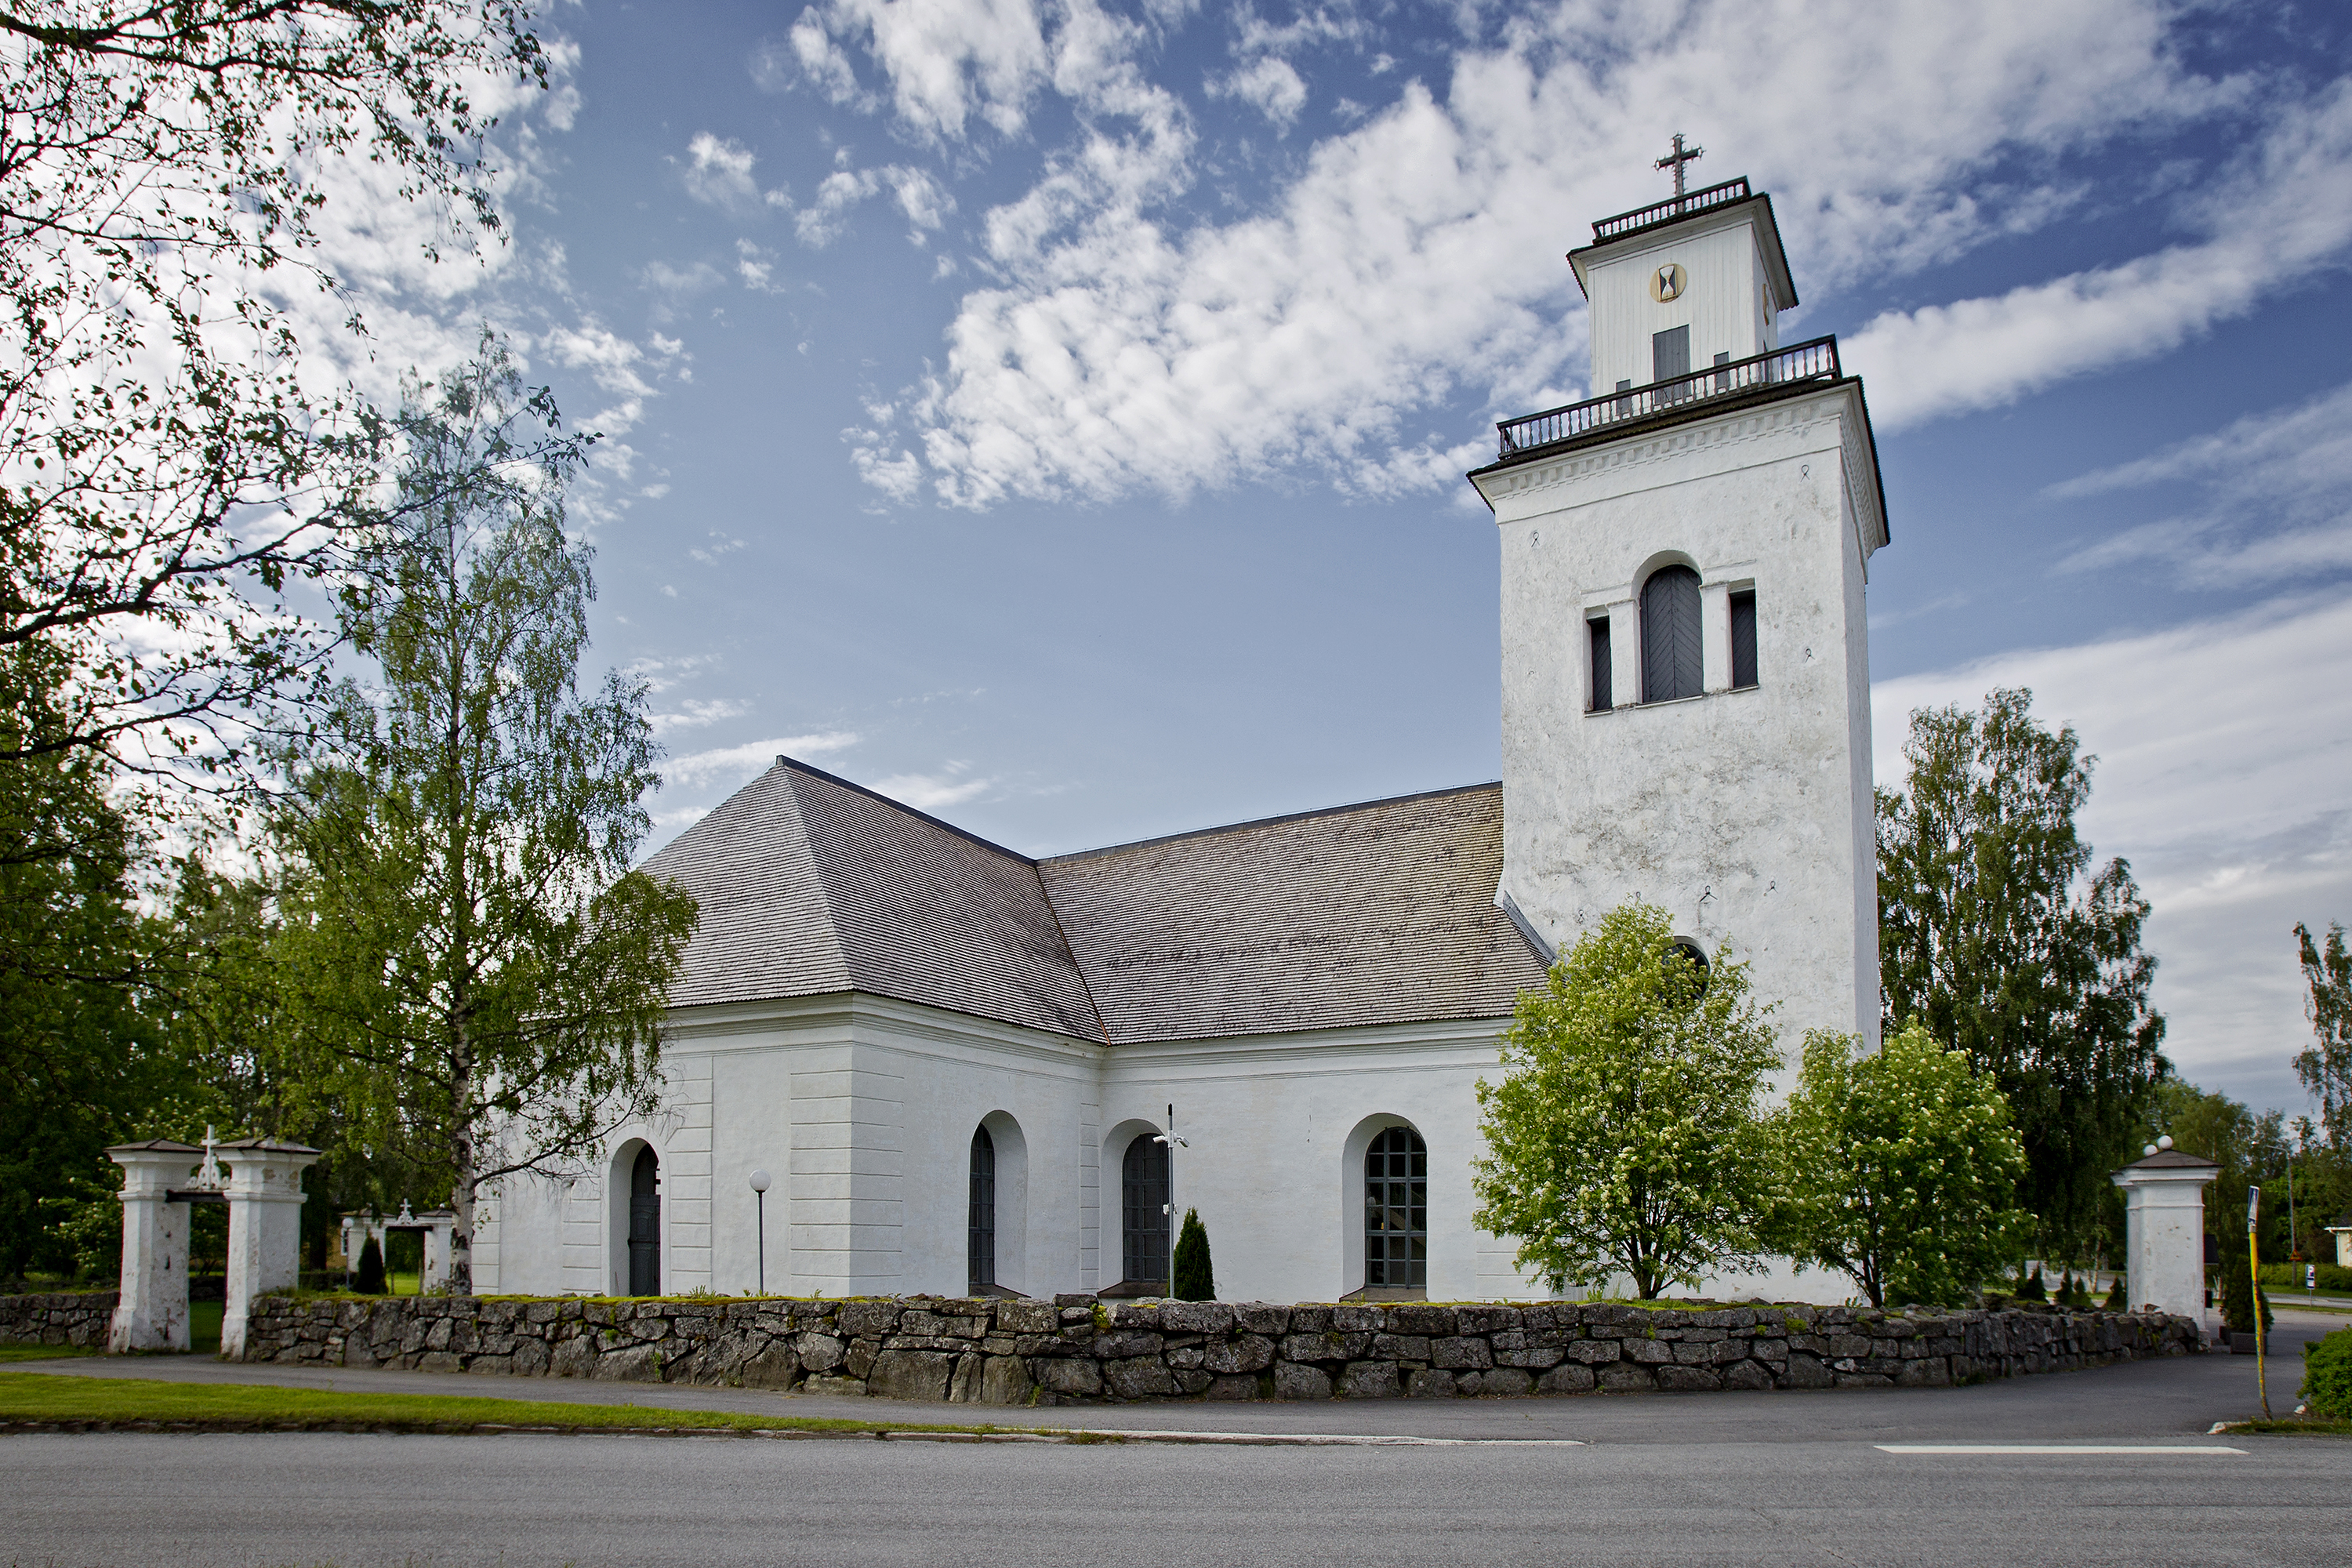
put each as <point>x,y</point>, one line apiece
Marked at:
<point>981,1252</point>
<point>645,1225</point>
<point>1672,661</point>
<point>1143,1212</point>
<point>1396,1212</point>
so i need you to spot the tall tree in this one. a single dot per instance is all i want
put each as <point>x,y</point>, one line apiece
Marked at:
<point>1626,1133</point>
<point>1996,935</point>
<point>1901,1169</point>
<point>165,467</point>
<point>80,1057</point>
<point>2326,1065</point>
<point>479,974</point>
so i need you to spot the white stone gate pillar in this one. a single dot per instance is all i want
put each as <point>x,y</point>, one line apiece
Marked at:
<point>2164,1199</point>
<point>151,1313</point>
<point>264,1228</point>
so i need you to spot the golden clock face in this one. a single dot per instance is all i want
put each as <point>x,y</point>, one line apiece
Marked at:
<point>1667,281</point>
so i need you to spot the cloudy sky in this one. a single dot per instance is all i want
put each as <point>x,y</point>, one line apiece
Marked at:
<point>1054,415</point>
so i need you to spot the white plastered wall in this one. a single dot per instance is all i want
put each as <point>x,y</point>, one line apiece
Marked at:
<point>1748,814</point>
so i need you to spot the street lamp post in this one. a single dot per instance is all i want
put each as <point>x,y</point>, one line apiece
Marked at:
<point>759,1192</point>
<point>1173,1143</point>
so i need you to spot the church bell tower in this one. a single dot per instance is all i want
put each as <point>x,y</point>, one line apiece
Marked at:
<point>1685,659</point>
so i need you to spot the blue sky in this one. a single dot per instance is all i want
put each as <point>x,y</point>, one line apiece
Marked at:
<point>1054,415</point>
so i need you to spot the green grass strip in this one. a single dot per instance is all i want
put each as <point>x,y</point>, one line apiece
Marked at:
<point>46,1398</point>
<point>43,1353</point>
<point>2296,1427</point>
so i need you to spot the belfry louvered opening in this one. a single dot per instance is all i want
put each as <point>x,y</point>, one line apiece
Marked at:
<point>1673,656</point>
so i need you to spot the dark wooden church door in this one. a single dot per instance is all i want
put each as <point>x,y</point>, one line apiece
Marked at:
<point>645,1225</point>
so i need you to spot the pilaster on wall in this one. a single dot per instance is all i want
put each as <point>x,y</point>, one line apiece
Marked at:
<point>686,1172</point>
<point>848,1173</point>
<point>1090,1195</point>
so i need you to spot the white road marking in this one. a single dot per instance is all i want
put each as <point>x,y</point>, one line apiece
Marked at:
<point>2054,1448</point>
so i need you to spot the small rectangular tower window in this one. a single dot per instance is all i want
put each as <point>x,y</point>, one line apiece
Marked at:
<point>1743,638</point>
<point>1600,695</point>
<point>1670,354</point>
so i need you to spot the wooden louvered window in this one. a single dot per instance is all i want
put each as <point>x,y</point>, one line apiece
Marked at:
<point>1602,695</point>
<point>1743,638</point>
<point>1673,663</point>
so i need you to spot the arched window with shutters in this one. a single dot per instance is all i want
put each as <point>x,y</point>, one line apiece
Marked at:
<point>981,1238</point>
<point>1396,1212</point>
<point>1673,656</point>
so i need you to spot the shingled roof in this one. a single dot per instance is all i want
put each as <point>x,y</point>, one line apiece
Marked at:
<point>1376,913</point>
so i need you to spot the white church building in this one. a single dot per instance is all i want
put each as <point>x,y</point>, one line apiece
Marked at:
<point>955,1063</point>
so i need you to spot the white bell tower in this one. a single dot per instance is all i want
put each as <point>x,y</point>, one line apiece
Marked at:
<point>1685,649</point>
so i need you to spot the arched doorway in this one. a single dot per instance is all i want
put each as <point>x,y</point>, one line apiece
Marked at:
<point>1143,1213</point>
<point>645,1225</point>
<point>980,1248</point>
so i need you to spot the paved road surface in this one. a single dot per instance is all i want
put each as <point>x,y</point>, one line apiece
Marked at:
<point>1735,1479</point>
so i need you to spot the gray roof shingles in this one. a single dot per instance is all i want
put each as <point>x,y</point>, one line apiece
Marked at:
<point>1364,914</point>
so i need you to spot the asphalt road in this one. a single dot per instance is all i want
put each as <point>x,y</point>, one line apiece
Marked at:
<point>1730,1479</point>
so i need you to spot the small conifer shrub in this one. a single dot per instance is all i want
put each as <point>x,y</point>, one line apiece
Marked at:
<point>1195,1279</point>
<point>370,1277</point>
<point>2032,1288</point>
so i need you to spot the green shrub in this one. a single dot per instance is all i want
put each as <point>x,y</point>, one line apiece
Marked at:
<point>2031,1287</point>
<point>2289,1276</point>
<point>2328,1375</point>
<point>2237,1299</point>
<point>1195,1279</point>
<point>370,1277</point>
<point>2119,1299</point>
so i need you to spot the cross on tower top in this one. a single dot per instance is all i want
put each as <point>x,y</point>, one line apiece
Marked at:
<point>1676,158</point>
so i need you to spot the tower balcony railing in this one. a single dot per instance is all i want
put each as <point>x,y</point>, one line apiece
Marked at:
<point>1807,361</point>
<point>1624,224</point>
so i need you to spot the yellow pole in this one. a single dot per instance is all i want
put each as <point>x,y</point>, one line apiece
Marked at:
<point>2255,1282</point>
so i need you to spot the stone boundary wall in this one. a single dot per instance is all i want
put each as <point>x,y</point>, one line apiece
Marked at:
<point>1077,1348</point>
<point>64,1319</point>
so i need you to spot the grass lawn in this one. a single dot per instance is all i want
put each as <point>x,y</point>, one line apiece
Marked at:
<point>44,1352</point>
<point>39,1397</point>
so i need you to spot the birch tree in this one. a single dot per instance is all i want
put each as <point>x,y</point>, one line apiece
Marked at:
<point>1997,932</point>
<point>1626,1132</point>
<point>479,974</point>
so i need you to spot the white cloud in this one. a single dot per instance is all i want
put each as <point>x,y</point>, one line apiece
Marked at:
<point>756,265</point>
<point>1267,84</point>
<point>2284,211</point>
<point>694,715</point>
<point>946,62</point>
<point>1416,255</point>
<point>2222,750</point>
<point>2274,493</point>
<point>719,174</point>
<point>924,201</point>
<point>934,792</point>
<point>732,764</point>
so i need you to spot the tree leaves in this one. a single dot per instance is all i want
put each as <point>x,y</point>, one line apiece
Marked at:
<point>1900,1169</point>
<point>1992,935</point>
<point>482,979</point>
<point>1624,1134</point>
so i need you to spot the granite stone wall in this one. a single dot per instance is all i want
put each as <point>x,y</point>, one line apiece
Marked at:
<point>76,1318</point>
<point>1077,1348</point>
